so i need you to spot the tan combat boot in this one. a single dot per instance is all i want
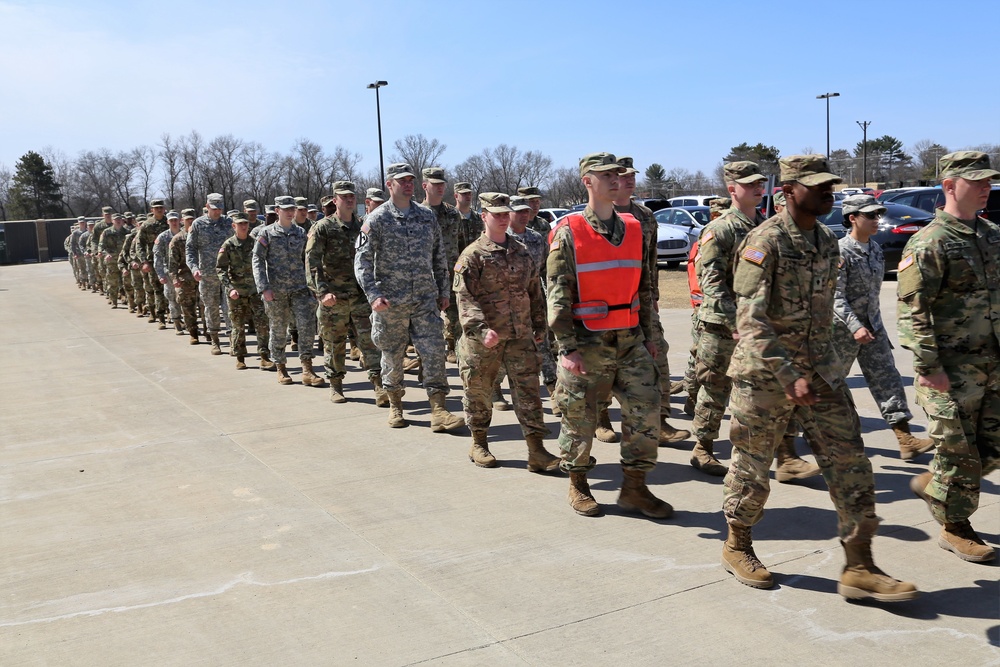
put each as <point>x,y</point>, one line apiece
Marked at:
<point>396,409</point>
<point>480,453</point>
<point>265,360</point>
<point>451,357</point>
<point>919,487</point>
<point>283,376</point>
<point>337,391</point>
<point>677,387</point>
<point>539,458</point>
<point>216,350</point>
<point>790,465</point>
<point>443,421</point>
<point>669,434</point>
<point>704,460</point>
<point>739,559</point>
<point>381,397</point>
<point>861,579</point>
<point>580,498</point>
<point>309,378</point>
<point>355,353</point>
<point>163,321</point>
<point>179,327</point>
<point>499,402</point>
<point>910,446</point>
<point>194,337</point>
<point>960,539</point>
<point>411,365</point>
<point>241,363</point>
<point>635,496</point>
<point>605,432</point>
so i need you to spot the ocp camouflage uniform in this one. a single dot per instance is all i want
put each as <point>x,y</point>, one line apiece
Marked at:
<point>87,263</point>
<point>155,297</point>
<point>234,268</point>
<point>161,248</point>
<point>124,271</point>
<point>76,256</point>
<point>205,238</point>
<point>856,305</point>
<point>615,359</point>
<point>330,251</point>
<point>450,221</point>
<point>540,225</point>
<point>108,249</point>
<point>185,285</point>
<point>717,252</point>
<point>92,245</point>
<point>785,285</point>
<point>498,288</point>
<point>279,266</point>
<point>402,258</point>
<point>138,282</point>
<point>949,317</point>
<point>538,247</point>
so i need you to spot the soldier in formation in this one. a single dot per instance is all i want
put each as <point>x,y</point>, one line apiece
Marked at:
<point>234,268</point>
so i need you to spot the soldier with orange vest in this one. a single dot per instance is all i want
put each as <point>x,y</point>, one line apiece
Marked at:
<point>600,311</point>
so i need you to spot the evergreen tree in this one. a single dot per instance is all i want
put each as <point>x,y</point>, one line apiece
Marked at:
<point>34,192</point>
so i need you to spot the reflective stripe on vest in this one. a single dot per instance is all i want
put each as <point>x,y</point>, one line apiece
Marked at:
<point>607,276</point>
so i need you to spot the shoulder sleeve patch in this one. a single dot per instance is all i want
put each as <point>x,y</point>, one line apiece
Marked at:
<point>262,239</point>
<point>906,263</point>
<point>366,228</point>
<point>755,255</point>
<point>707,236</point>
<point>554,245</point>
<point>843,261</point>
<point>459,267</point>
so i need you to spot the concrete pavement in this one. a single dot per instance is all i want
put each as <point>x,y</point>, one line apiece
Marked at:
<point>159,507</point>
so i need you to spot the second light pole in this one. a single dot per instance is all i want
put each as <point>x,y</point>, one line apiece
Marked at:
<point>824,96</point>
<point>378,114</point>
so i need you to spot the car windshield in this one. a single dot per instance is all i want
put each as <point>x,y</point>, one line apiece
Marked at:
<point>703,217</point>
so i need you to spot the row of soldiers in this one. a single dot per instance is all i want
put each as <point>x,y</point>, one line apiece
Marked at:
<point>595,297</point>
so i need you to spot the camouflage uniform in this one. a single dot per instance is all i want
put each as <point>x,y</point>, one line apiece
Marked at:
<point>716,261</point>
<point>538,247</point>
<point>615,361</point>
<point>124,270</point>
<point>401,257</point>
<point>279,266</point>
<point>138,282</point>
<point>856,305</point>
<point>98,261</point>
<point>76,256</point>
<point>187,291</point>
<point>87,264</point>
<point>785,279</point>
<point>949,317</point>
<point>234,267</point>
<point>160,249</point>
<point>540,225</point>
<point>450,221</point>
<point>108,249</point>
<point>330,254</point>
<point>498,288</point>
<point>204,240</point>
<point>155,297</point>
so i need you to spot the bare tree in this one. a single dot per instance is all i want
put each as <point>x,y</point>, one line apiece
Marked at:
<point>222,166</point>
<point>6,177</point>
<point>144,160</point>
<point>261,172</point>
<point>306,170</point>
<point>343,166</point>
<point>170,159</point>
<point>418,151</point>
<point>191,147</point>
<point>566,188</point>
<point>75,196</point>
<point>504,169</point>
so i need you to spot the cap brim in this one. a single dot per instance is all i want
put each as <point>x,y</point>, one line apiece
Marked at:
<point>396,177</point>
<point>746,180</point>
<point>344,192</point>
<point>463,190</point>
<point>515,209</point>
<point>217,208</point>
<point>285,206</point>
<point>819,179</point>
<point>527,196</point>
<point>872,208</point>
<point>979,175</point>
<point>498,209</point>
<point>434,180</point>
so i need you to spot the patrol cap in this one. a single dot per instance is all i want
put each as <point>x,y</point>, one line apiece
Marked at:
<point>809,170</point>
<point>495,202</point>
<point>107,209</point>
<point>743,172</point>
<point>326,199</point>
<point>599,162</point>
<point>463,186</point>
<point>117,216</point>
<point>779,199</point>
<point>312,208</point>
<point>129,215</point>
<point>284,202</point>
<point>861,204</point>
<point>231,212</point>
<point>344,188</point>
<point>251,205</point>
<point>627,163</point>
<point>530,192</point>
<point>91,223</point>
<point>433,175</point>
<point>720,204</point>
<point>215,200</point>
<point>239,217</point>
<point>374,194</point>
<point>519,203</point>
<point>269,208</point>
<point>970,165</point>
<point>189,213</point>
<point>399,170</point>
<point>141,217</point>
<point>81,218</point>
<point>301,202</point>
<point>173,215</point>
<point>154,203</point>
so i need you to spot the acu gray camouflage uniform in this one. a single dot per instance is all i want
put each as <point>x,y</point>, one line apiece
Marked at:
<point>204,240</point>
<point>279,266</point>
<point>161,249</point>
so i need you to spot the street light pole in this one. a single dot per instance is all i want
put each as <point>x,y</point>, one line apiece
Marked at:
<point>863,124</point>
<point>378,114</point>
<point>827,96</point>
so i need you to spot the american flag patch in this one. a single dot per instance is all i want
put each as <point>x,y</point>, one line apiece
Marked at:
<point>754,255</point>
<point>554,245</point>
<point>707,236</point>
<point>906,262</point>
<point>842,262</point>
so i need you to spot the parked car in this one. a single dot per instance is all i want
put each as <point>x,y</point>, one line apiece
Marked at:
<point>692,200</point>
<point>552,214</point>
<point>888,193</point>
<point>927,199</point>
<point>847,192</point>
<point>576,208</point>
<point>895,228</point>
<point>692,219</point>
<point>654,204</point>
<point>992,210</point>
<point>672,245</point>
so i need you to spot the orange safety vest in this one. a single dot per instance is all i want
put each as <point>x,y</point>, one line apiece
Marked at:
<point>607,276</point>
<point>696,294</point>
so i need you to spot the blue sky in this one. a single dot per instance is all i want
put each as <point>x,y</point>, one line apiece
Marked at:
<point>669,82</point>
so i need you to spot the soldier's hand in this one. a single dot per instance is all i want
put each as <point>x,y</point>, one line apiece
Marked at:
<point>862,336</point>
<point>650,348</point>
<point>443,303</point>
<point>380,304</point>
<point>573,362</point>
<point>267,295</point>
<point>234,294</point>
<point>177,283</point>
<point>937,381</point>
<point>328,299</point>
<point>491,338</point>
<point>197,275</point>
<point>800,393</point>
<point>163,281</point>
<point>145,267</point>
<point>135,265</point>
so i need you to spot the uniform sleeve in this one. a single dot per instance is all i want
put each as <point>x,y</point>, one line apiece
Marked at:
<point>159,257</point>
<point>919,283</point>
<point>191,247</point>
<point>440,263</point>
<point>715,256</point>
<point>841,307</point>
<point>124,252</point>
<point>646,278</point>
<point>222,267</point>
<point>364,260</point>
<point>100,243</point>
<point>259,263</point>
<point>536,299</point>
<point>753,283</point>
<point>467,290</point>
<point>561,268</point>
<point>315,246</point>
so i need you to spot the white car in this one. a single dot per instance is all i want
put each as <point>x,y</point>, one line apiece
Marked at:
<point>692,200</point>
<point>672,245</point>
<point>552,214</point>
<point>690,219</point>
